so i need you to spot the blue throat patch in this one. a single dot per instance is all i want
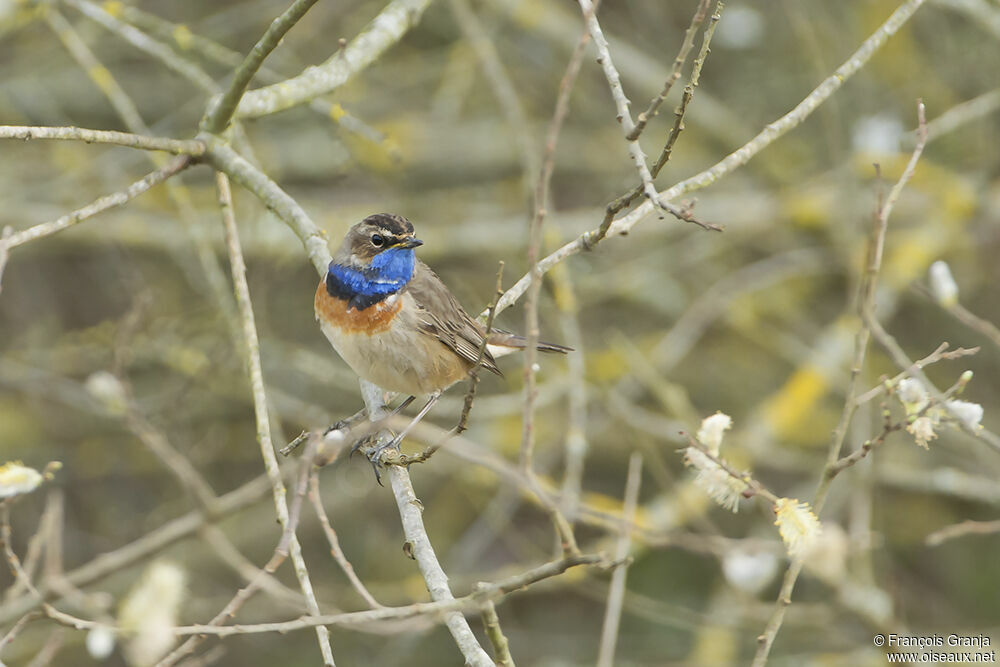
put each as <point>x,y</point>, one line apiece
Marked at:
<point>388,273</point>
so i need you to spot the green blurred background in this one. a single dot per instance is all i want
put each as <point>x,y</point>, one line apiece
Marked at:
<point>673,322</point>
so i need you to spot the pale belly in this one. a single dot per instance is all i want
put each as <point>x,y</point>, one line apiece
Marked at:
<point>396,356</point>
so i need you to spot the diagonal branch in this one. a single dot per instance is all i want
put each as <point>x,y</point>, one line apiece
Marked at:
<point>152,179</point>
<point>737,158</point>
<point>221,112</point>
<point>252,351</point>
<point>385,30</point>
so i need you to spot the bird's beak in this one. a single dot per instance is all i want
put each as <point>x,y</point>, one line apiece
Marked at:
<point>409,243</point>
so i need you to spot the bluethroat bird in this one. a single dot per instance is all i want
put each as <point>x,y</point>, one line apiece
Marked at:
<point>393,320</point>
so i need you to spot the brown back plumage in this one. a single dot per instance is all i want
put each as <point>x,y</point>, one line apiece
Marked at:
<point>442,316</point>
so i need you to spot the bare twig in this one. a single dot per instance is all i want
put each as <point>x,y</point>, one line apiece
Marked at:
<point>621,104</point>
<point>175,146</point>
<point>277,558</point>
<point>222,156</point>
<point>576,427</point>
<point>152,179</point>
<point>260,405</point>
<point>866,305</point>
<point>965,316</point>
<point>771,133</point>
<point>157,442</point>
<point>5,235</point>
<point>331,537</point>
<point>142,548</point>
<point>17,627</point>
<point>964,113</point>
<point>470,395</point>
<point>470,602</point>
<point>130,116</point>
<point>188,41</point>
<point>942,352</point>
<point>385,30</point>
<point>410,511</point>
<point>623,202</point>
<point>221,110</point>
<point>563,527</point>
<point>147,44</point>
<point>961,530</point>
<point>503,88</point>
<point>616,593</point>
<point>686,45</point>
<point>491,623</point>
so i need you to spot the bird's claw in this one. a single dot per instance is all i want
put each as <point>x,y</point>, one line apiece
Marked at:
<point>373,451</point>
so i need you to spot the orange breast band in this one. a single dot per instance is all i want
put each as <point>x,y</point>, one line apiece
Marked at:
<point>372,320</point>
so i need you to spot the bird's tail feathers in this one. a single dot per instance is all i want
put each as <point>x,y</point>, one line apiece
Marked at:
<point>504,341</point>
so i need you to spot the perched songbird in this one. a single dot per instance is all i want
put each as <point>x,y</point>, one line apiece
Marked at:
<point>392,319</point>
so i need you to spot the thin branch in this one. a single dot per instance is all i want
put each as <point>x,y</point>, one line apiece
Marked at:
<point>17,627</point>
<point>576,365</point>
<point>963,114</point>
<point>686,45</point>
<point>621,104</point>
<point>410,513</point>
<point>473,601</point>
<point>962,529</point>
<point>491,623</point>
<point>737,158</point>
<point>221,111</point>
<point>187,41</point>
<point>99,75</point>
<point>331,537</point>
<point>156,441</point>
<point>616,593</point>
<point>190,147</point>
<point>5,235</point>
<point>252,352</point>
<point>384,31</point>
<point>142,548</point>
<point>222,156</point>
<point>866,306</point>
<point>470,395</point>
<point>503,89</point>
<point>965,316</point>
<point>152,179</point>
<point>277,558</point>
<point>19,574</point>
<point>130,116</point>
<point>146,44</point>
<point>563,527</point>
<point>942,352</point>
<point>623,202</point>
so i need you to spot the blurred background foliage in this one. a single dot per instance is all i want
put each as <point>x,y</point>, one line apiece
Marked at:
<point>676,322</point>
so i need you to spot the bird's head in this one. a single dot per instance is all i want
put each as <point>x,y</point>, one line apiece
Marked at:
<point>377,240</point>
<point>375,260</point>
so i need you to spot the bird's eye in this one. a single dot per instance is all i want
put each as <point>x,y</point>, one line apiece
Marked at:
<point>377,240</point>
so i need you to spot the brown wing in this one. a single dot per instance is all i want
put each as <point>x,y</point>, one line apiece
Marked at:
<point>442,316</point>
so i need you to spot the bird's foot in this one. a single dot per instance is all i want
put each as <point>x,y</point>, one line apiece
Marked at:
<point>373,446</point>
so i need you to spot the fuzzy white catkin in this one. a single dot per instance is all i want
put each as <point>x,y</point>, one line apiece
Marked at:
<point>149,614</point>
<point>749,571</point>
<point>970,414</point>
<point>100,643</point>
<point>712,429</point>
<point>912,392</point>
<point>943,285</point>
<point>16,479</point>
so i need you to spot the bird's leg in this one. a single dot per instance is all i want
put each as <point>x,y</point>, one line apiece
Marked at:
<point>395,442</point>
<point>361,441</point>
